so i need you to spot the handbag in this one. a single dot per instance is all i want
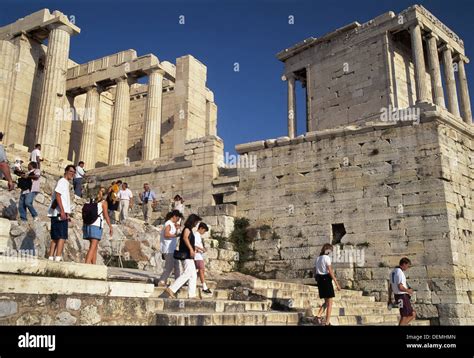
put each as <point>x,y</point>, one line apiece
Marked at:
<point>178,255</point>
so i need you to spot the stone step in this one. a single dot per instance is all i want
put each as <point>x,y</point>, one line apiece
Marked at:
<point>303,303</point>
<point>67,286</point>
<point>40,267</point>
<point>354,320</point>
<point>278,285</point>
<point>183,293</point>
<point>213,306</point>
<point>228,319</point>
<point>340,295</point>
<point>358,311</point>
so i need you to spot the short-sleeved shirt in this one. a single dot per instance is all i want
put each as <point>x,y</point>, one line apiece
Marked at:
<point>198,243</point>
<point>35,155</point>
<point>62,187</point>
<point>398,277</point>
<point>35,183</point>
<point>178,205</point>
<point>80,172</point>
<point>168,245</point>
<point>125,194</point>
<point>3,156</point>
<point>322,264</point>
<point>150,195</point>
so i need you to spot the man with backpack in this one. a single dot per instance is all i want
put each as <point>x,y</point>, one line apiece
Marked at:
<point>93,215</point>
<point>29,183</point>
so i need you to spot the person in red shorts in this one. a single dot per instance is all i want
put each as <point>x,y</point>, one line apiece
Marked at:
<point>402,292</point>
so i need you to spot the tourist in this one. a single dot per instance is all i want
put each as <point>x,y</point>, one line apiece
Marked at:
<point>59,211</point>
<point>18,168</point>
<point>113,201</point>
<point>29,184</point>
<point>168,243</point>
<point>185,252</point>
<point>324,275</point>
<point>148,199</point>
<point>79,178</point>
<point>4,168</point>
<point>402,292</point>
<point>36,155</point>
<point>125,196</point>
<point>178,204</point>
<point>199,256</point>
<point>94,215</point>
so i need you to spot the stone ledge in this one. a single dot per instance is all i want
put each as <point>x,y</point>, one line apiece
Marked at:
<point>37,267</point>
<point>66,286</point>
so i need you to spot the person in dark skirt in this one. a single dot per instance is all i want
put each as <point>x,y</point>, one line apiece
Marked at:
<point>324,276</point>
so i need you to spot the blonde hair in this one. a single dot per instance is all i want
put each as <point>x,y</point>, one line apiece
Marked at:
<point>100,194</point>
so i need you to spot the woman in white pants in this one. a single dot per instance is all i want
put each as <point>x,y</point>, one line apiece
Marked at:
<point>185,252</point>
<point>168,243</point>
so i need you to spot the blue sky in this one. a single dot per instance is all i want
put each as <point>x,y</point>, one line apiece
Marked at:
<point>251,102</point>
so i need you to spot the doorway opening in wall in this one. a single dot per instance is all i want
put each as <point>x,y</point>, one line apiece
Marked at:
<point>302,102</point>
<point>218,199</point>
<point>338,232</point>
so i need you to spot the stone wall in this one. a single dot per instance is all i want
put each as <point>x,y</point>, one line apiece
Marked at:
<point>391,189</point>
<point>70,310</point>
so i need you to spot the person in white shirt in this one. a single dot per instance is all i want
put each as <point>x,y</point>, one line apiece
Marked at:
<point>126,201</point>
<point>78,179</point>
<point>4,168</point>
<point>324,276</point>
<point>59,211</point>
<point>402,292</point>
<point>199,256</point>
<point>93,231</point>
<point>36,155</point>
<point>168,242</point>
<point>148,199</point>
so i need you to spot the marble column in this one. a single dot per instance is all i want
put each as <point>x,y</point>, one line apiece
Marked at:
<point>450,81</point>
<point>119,135</point>
<point>419,62</point>
<point>291,106</point>
<point>87,152</point>
<point>152,138</point>
<point>435,72</point>
<point>464,91</point>
<point>51,108</point>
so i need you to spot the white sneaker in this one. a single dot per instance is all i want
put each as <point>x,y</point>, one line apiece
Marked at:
<point>36,219</point>
<point>51,258</point>
<point>58,258</point>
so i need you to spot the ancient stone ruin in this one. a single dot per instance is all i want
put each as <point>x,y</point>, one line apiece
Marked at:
<point>383,170</point>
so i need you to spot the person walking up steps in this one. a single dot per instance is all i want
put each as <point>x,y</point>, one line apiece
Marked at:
<point>199,257</point>
<point>402,292</point>
<point>168,243</point>
<point>186,253</point>
<point>30,187</point>
<point>324,277</point>
<point>94,214</point>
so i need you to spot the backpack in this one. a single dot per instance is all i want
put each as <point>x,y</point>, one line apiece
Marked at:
<point>25,183</point>
<point>90,213</point>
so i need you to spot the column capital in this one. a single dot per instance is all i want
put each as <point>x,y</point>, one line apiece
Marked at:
<point>445,47</point>
<point>61,26</point>
<point>95,86</point>
<point>153,70</point>
<point>415,23</point>
<point>460,57</point>
<point>430,35</point>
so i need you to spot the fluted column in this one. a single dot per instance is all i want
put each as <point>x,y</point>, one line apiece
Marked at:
<point>119,135</point>
<point>464,91</point>
<point>291,106</point>
<point>152,139</point>
<point>89,130</point>
<point>419,62</point>
<point>51,110</point>
<point>450,81</point>
<point>435,72</point>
